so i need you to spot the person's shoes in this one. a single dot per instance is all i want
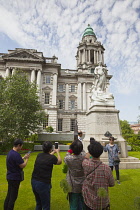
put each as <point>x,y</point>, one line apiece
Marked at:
<point>118,182</point>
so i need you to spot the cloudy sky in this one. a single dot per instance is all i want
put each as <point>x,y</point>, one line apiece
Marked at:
<point>56,27</point>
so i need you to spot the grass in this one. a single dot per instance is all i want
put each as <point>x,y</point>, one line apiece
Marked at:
<point>121,196</point>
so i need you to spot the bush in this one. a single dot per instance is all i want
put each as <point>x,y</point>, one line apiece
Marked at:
<point>32,138</point>
<point>49,129</point>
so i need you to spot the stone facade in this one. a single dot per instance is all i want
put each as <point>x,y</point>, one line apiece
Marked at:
<point>64,93</point>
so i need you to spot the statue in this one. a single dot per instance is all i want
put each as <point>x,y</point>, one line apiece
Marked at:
<point>100,73</point>
<point>98,90</point>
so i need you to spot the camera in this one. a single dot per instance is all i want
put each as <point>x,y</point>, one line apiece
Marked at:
<point>56,145</point>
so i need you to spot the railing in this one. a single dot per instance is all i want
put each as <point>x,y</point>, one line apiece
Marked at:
<point>51,60</point>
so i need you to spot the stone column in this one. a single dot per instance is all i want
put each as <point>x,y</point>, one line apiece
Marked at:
<point>79,102</point>
<point>89,57</point>
<point>67,97</point>
<point>7,74</point>
<point>94,56</point>
<point>84,96</point>
<point>97,57</point>
<point>103,57</point>
<point>84,60</point>
<point>54,90</point>
<point>13,71</point>
<point>33,75</point>
<point>86,56</point>
<point>79,59</point>
<point>100,56</point>
<point>39,81</point>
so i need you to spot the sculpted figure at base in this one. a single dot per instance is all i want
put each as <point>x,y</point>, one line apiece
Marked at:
<point>98,90</point>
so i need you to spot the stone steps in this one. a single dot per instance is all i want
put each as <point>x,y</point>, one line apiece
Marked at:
<point>126,163</point>
<point>128,159</point>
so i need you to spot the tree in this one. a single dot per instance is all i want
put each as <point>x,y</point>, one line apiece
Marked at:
<point>20,110</point>
<point>126,129</point>
<point>128,134</point>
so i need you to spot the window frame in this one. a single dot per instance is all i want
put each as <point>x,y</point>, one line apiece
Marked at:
<point>45,122</point>
<point>47,100</point>
<point>72,105</point>
<point>72,124</point>
<point>60,104</point>
<point>60,124</point>
<point>72,89</point>
<point>59,89</point>
<point>48,78</point>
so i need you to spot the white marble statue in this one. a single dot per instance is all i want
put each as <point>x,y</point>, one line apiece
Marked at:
<point>99,94</point>
<point>100,75</point>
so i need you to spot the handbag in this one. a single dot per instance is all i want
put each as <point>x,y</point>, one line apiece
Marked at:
<point>116,159</point>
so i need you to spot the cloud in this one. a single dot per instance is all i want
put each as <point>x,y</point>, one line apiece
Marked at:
<point>56,27</point>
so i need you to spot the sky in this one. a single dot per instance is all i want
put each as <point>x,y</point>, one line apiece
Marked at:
<point>55,27</point>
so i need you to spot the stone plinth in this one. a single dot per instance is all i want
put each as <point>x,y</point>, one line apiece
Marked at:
<point>126,163</point>
<point>99,120</point>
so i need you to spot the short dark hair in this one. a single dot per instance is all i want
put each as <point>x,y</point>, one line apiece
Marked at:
<point>76,147</point>
<point>95,149</point>
<point>92,140</point>
<point>47,146</point>
<point>111,138</point>
<point>18,142</point>
<point>80,132</point>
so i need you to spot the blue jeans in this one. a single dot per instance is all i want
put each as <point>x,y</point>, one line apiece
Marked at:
<point>41,191</point>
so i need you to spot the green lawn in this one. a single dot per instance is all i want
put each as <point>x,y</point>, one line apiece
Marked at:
<point>121,196</point>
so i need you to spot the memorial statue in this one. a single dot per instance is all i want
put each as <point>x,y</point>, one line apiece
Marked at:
<point>100,75</point>
<point>98,90</point>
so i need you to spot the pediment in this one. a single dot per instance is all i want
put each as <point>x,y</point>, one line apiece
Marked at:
<point>73,96</point>
<point>23,55</point>
<point>61,96</point>
<point>47,88</point>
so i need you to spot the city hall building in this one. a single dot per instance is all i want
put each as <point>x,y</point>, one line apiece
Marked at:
<point>63,93</point>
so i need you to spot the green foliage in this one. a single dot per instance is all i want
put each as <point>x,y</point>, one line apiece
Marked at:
<point>102,193</point>
<point>137,203</point>
<point>32,138</point>
<point>132,139</point>
<point>65,169</point>
<point>28,146</point>
<point>126,129</point>
<point>49,129</point>
<point>20,109</point>
<point>65,186</point>
<point>121,196</point>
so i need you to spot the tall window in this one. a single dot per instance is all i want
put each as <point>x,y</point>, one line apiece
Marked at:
<point>72,88</point>
<point>45,122</point>
<point>60,104</point>
<point>61,88</point>
<point>72,104</point>
<point>72,124</point>
<point>60,123</point>
<point>47,98</point>
<point>48,79</point>
<point>92,70</point>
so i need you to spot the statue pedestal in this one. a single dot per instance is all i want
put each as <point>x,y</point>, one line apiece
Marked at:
<point>99,120</point>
